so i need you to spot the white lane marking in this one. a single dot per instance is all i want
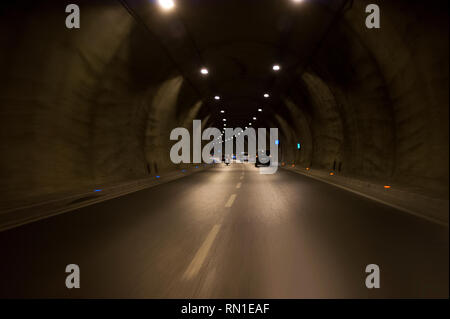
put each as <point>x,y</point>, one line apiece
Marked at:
<point>238,185</point>
<point>201,254</point>
<point>230,201</point>
<point>403,209</point>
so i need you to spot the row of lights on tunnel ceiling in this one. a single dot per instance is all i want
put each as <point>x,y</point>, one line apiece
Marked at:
<point>254,118</point>
<point>220,138</point>
<point>204,71</point>
<point>168,5</point>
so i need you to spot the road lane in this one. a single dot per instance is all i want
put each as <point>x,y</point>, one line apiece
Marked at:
<point>283,235</point>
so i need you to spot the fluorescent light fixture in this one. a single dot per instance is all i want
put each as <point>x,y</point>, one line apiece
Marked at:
<point>166,4</point>
<point>276,68</point>
<point>204,71</point>
<point>259,110</point>
<point>222,111</point>
<point>266,95</point>
<point>217,97</point>
<point>254,118</point>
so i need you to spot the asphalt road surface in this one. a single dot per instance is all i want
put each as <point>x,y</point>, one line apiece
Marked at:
<point>228,232</point>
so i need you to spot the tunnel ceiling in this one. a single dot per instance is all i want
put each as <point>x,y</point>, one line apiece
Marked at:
<point>239,42</point>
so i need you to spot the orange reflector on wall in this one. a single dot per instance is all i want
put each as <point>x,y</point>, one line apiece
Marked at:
<point>331,173</point>
<point>387,186</point>
<point>307,168</point>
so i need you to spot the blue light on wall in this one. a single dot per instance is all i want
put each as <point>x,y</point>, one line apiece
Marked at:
<point>299,146</point>
<point>97,190</point>
<point>277,142</point>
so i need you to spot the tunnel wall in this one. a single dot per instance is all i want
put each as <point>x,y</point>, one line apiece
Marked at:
<point>384,95</point>
<point>87,107</point>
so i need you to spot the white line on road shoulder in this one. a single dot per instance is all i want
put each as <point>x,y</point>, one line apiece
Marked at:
<point>403,209</point>
<point>201,254</point>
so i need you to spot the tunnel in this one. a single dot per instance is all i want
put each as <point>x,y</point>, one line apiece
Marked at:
<point>363,148</point>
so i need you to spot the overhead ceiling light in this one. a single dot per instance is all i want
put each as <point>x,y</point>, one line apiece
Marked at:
<point>276,67</point>
<point>224,125</point>
<point>217,97</point>
<point>254,119</point>
<point>166,4</point>
<point>297,1</point>
<point>266,95</point>
<point>250,124</point>
<point>259,110</point>
<point>222,111</point>
<point>224,120</point>
<point>204,71</point>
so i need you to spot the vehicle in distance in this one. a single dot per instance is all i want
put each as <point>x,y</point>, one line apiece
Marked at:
<point>263,158</point>
<point>244,157</point>
<point>226,159</point>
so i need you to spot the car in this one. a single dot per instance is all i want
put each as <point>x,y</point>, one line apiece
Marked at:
<point>226,159</point>
<point>243,157</point>
<point>260,158</point>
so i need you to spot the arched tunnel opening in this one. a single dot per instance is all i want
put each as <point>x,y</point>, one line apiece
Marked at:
<point>88,106</point>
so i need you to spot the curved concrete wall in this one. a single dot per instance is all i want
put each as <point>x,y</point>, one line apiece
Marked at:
<point>385,95</point>
<point>81,108</point>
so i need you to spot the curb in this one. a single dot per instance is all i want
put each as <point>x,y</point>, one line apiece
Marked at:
<point>373,198</point>
<point>19,216</point>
